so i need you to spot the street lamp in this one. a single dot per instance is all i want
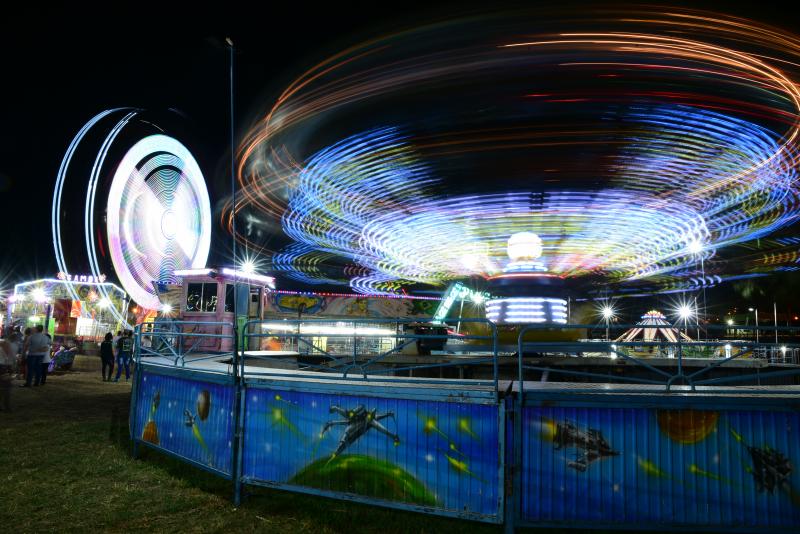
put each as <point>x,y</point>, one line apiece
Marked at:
<point>606,310</point>
<point>755,310</point>
<point>685,312</point>
<point>695,247</point>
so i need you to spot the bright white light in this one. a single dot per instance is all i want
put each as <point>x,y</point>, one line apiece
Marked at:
<point>268,281</point>
<point>730,322</point>
<point>471,262</point>
<point>477,298</point>
<point>749,309</point>
<point>328,330</point>
<point>608,312</point>
<point>39,295</point>
<point>728,347</point>
<point>103,303</point>
<point>166,309</point>
<point>524,246</point>
<point>520,310</point>
<point>695,247</point>
<point>248,267</point>
<point>783,349</point>
<point>169,225</point>
<point>685,311</point>
<point>192,272</point>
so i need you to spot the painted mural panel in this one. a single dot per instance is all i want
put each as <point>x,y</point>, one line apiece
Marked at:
<point>736,468</point>
<point>437,454</point>
<point>190,418</point>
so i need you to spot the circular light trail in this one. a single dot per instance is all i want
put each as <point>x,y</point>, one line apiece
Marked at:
<point>158,216</point>
<point>153,217</point>
<point>652,151</point>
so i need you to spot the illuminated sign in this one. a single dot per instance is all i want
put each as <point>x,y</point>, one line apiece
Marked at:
<point>88,278</point>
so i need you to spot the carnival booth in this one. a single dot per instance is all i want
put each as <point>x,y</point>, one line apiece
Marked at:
<point>205,299</point>
<point>69,306</point>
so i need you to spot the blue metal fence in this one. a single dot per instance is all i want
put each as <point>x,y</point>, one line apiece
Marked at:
<point>346,414</point>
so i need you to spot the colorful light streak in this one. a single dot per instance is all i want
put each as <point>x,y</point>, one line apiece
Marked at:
<point>156,216</point>
<point>690,123</point>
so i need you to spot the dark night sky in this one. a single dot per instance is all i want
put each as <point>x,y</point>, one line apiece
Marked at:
<point>62,65</point>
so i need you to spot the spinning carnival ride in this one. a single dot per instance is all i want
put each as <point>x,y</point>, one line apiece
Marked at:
<point>146,211</point>
<point>647,151</point>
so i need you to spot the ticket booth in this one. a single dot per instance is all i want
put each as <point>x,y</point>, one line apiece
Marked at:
<point>211,296</point>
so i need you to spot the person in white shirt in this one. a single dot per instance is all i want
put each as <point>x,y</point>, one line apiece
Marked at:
<point>38,345</point>
<point>46,360</point>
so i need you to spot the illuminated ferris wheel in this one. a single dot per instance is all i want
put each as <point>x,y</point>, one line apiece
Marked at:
<point>146,219</point>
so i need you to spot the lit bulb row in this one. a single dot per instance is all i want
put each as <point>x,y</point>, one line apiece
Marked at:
<point>514,310</point>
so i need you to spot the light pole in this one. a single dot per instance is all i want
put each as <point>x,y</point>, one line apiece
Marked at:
<point>608,314</point>
<point>229,42</point>
<point>685,313</point>
<point>775,315</point>
<point>755,310</point>
<point>696,248</point>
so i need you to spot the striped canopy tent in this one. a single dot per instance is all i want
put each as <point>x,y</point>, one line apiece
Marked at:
<point>653,327</point>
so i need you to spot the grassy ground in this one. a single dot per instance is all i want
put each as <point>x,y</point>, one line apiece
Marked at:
<point>65,465</point>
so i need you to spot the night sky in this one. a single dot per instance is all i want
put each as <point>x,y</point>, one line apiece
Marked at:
<point>61,66</point>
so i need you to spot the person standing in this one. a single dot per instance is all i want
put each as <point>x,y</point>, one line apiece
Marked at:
<point>107,356</point>
<point>116,343</point>
<point>46,360</point>
<point>38,346</point>
<point>8,354</point>
<point>23,354</point>
<point>124,350</point>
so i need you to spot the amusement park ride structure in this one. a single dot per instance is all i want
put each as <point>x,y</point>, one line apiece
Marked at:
<point>507,413</point>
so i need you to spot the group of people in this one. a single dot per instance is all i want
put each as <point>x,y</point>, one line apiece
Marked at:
<point>29,353</point>
<point>119,347</point>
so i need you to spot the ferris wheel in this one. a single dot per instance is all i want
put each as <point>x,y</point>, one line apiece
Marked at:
<point>141,222</point>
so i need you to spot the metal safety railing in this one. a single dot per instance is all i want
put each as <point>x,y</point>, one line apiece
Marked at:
<point>662,362</point>
<point>184,343</point>
<point>369,348</point>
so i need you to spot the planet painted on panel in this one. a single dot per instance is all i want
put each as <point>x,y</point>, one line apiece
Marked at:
<point>363,475</point>
<point>687,426</point>
<point>203,404</point>
<point>150,432</point>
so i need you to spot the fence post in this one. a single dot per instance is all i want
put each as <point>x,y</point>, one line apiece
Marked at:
<point>355,342</point>
<point>514,496</point>
<point>237,419</point>
<point>137,369</point>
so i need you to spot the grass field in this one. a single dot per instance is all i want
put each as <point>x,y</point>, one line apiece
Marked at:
<point>66,466</point>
